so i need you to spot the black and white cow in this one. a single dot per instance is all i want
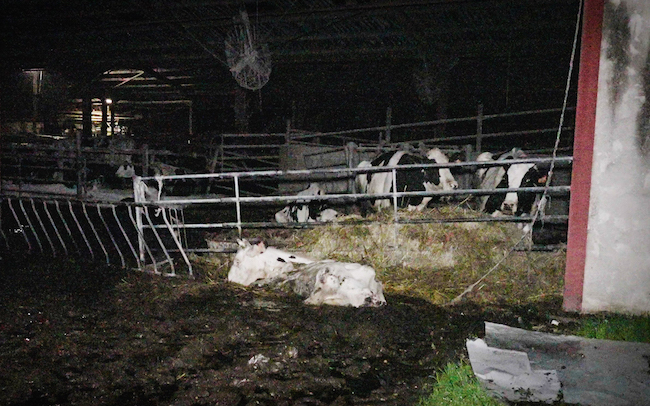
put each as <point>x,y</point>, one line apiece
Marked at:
<point>314,211</point>
<point>510,176</point>
<point>415,180</point>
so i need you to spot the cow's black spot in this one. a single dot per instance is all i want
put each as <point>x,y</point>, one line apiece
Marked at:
<point>533,178</point>
<point>281,260</point>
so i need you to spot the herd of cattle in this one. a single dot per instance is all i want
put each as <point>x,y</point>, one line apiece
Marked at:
<point>350,284</point>
<point>433,179</point>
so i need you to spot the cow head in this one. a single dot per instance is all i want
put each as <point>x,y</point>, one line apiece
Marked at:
<point>255,262</point>
<point>483,157</point>
<point>515,174</point>
<point>125,171</point>
<point>302,213</point>
<point>346,284</point>
<point>362,178</point>
<point>447,181</point>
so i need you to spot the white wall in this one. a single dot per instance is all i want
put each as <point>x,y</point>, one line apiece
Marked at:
<point>617,270</point>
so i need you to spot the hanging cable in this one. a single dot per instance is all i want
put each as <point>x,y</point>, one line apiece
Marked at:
<point>529,232</point>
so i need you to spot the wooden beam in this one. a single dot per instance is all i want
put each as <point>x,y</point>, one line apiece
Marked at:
<point>583,149</point>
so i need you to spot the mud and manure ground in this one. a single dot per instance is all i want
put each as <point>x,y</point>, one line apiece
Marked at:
<point>73,333</point>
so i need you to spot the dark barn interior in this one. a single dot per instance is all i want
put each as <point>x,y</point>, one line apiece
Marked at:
<point>334,64</point>
<point>184,83</point>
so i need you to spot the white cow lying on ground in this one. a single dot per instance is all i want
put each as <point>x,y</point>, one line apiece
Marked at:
<point>321,282</point>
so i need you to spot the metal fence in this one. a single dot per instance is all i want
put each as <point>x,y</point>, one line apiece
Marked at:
<point>123,234</point>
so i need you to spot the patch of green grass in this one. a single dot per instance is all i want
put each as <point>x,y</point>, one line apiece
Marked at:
<point>456,385</point>
<point>616,327</point>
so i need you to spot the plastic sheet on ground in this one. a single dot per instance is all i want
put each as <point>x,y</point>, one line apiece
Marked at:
<point>521,365</point>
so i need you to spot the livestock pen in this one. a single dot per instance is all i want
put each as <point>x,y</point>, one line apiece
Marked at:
<point>202,340</point>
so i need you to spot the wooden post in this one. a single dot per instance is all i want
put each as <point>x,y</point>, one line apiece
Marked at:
<point>86,118</point>
<point>145,160</point>
<point>104,125</point>
<point>389,120</point>
<point>112,116</point>
<point>191,123</point>
<point>79,165</point>
<point>479,129</point>
<point>352,159</point>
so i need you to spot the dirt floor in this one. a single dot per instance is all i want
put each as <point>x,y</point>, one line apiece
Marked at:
<point>79,334</point>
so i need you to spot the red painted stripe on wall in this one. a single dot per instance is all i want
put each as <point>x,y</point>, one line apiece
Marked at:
<point>583,149</point>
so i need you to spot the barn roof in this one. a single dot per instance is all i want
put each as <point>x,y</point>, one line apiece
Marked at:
<point>516,52</point>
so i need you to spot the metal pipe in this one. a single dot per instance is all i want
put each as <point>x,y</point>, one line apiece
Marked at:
<point>345,171</point>
<point>237,204</point>
<point>83,234</point>
<point>40,222</point>
<point>31,226</point>
<point>126,237</point>
<point>160,243</point>
<point>56,230</point>
<point>65,225</point>
<point>142,245</point>
<point>92,227</point>
<point>177,242</point>
<point>22,229</point>
<point>110,234</point>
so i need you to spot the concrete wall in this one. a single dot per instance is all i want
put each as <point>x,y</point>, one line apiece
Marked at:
<point>617,263</point>
<point>308,156</point>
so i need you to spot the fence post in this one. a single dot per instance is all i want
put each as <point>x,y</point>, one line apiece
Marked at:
<point>389,119</point>
<point>145,160</point>
<point>79,166</point>
<point>352,159</point>
<point>479,128</point>
<point>138,197</point>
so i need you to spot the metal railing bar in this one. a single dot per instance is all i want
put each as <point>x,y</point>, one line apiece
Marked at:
<point>4,238</point>
<point>110,234</point>
<point>178,244</point>
<point>346,171</point>
<point>20,224</point>
<point>126,237</point>
<point>551,219</point>
<point>347,197</point>
<point>83,234</point>
<point>31,226</point>
<point>65,225</point>
<point>92,227</point>
<point>160,242</point>
<point>56,229</point>
<point>141,239</point>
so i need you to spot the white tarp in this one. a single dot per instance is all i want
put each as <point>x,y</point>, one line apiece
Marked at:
<point>520,365</point>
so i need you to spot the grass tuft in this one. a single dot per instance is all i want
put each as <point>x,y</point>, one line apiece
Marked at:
<point>457,386</point>
<point>616,327</point>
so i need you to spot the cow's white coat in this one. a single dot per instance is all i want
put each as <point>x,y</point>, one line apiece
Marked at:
<point>381,182</point>
<point>258,262</point>
<point>322,282</point>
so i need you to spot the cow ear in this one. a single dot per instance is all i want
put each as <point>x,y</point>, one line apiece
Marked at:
<point>243,243</point>
<point>260,248</point>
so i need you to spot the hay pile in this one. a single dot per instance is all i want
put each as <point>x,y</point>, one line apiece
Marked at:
<point>434,261</point>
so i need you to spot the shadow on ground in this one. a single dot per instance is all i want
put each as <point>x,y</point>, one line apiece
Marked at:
<point>78,334</point>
